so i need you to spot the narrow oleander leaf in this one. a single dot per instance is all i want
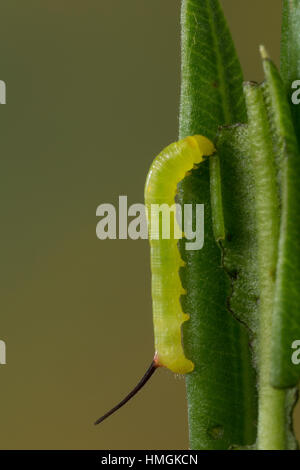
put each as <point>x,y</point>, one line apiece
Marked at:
<point>290,42</point>
<point>239,250</point>
<point>290,55</point>
<point>211,91</point>
<point>240,245</point>
<point>221,391</point>
<point>286,317</point>
<point>272,403</point>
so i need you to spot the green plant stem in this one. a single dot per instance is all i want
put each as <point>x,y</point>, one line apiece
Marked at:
<point>272,402</point>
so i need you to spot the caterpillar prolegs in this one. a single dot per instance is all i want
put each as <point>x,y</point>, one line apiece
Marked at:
<point>166,171</point>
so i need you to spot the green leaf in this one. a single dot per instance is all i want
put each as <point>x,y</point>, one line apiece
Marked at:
<point>290,53</point>
<point>240,246</point>
<point>274,155</point>
<point>211,92</point>
<point>286,326</point>
<point>244,286</point>
<point>286,319</point>
<point>221,391</point>
<point>271,417</point>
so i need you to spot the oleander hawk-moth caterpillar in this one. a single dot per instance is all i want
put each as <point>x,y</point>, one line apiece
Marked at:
<point>166,171</point>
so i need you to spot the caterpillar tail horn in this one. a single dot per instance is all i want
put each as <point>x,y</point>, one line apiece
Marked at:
<point>148,374</point>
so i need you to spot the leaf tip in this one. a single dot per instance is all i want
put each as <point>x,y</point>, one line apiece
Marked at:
<point>263,52</point>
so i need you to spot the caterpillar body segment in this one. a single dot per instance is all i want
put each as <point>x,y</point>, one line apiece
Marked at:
<point>166,171</point>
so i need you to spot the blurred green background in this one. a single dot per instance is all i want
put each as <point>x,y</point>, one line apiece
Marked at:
<point>92,97</point>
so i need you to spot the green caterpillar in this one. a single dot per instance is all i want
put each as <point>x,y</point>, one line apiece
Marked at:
<point>166,171</point>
